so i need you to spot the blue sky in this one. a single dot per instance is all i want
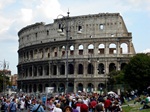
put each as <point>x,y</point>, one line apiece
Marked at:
<point>16,14</point>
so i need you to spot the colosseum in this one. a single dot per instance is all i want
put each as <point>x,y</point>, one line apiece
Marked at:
<point>73,53</point>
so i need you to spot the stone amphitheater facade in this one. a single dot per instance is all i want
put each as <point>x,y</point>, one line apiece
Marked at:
<point>103,46</point>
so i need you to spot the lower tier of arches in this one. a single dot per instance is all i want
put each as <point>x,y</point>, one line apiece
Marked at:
<point>62,85</point>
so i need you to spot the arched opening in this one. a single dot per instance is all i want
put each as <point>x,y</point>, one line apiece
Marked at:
<point>54,85</point>
<point>101,87</point>
<point>90,87</point>
<point>80,87</point>
<point>101,69</point>
<point>80,49</point>
<point>101,49</point>
<point>112,49</point>
<point>63,50</point>
<point>40,88</point>
<point>62,69</point>
<point>71,69</point>
<point>72,50</point>
<point>30,88</point>
<point>40,70</point>
<point>70,87</point>
<point>91,49</point>
<point>34,88</point>
<point>90,68</point>
<point>46,69</point>
<point>124,48</point>
<point>30,71</point>
<point>112,67</point>
<point>123,65</point>
<point>35,71</point>
<point>80,69</point>
<point>61,88</point>
<point>54,70</point>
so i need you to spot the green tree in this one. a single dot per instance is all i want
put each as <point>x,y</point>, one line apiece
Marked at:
<point>3,80</point>
<point>137,72</point>
<point>116,77</point>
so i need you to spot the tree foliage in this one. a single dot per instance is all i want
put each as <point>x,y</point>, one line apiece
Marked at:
<point>116,77</point>
<point>137,71</point>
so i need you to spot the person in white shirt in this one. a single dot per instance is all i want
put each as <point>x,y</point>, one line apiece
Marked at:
<point>22,105</point>
<point>86,101</point>
<point>57,108</point>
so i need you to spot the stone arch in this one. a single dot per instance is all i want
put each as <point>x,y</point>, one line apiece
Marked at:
<point>90,87</point>
<point>70,87</point>
<point>30,71</point>
<point>46,69</point>
<point>101,68</point>
<point>101,49</point>
<point>54,69</point>
<point>55,87</point>
<point>80,69</point>
<point>123,65</point>
<point>71,50</point>
<point>40,70</point>
<point>35,70</point>
<point>26,88</point>
<point>112,48</point>
<point>62,69</point>
<point>41,53</point>
<point>90,69</point>
<point>71,69</point>
<point>80,87</point>
<point>123,48</point>
<point>31,54</point>
<point>55,51</point>
<point>112,67</point>
<point>101,86</point>
<point>34,88</point>
<point>63,50</point>
<point>47,53</point>
<point>35,53</point>
<point>80,48</point>
<point>90,48</point>
<point>30,88</point>
<point>46,85</point>
<point>40,87</point>
<point>61,87</point>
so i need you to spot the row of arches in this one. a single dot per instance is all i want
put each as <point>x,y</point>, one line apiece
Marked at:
<point>54,69</point>
<point>61,87</point>
<point>60,51</point>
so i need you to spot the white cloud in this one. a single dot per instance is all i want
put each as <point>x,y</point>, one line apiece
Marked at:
<point>27,15</point>
<point>4,3</point>
<point>146,51</point>
<point>5,26</point>
<point>49,8</point>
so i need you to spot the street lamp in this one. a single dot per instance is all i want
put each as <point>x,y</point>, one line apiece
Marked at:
<point>65,27</point>
<point>5,65</point>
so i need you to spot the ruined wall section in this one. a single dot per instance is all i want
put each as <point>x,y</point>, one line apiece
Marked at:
<point>102,25</point>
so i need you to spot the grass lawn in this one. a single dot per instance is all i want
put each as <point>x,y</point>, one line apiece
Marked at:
<point>133,107</point>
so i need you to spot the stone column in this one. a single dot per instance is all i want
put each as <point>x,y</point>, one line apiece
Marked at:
<point>58,69</point>
<point>43,72</point>
<point>106,48</point>
<point>118,48</point>
<point>75,87</point>
<point>75,69</point>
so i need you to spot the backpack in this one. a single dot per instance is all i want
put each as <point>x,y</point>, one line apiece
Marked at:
<point>2,106</point>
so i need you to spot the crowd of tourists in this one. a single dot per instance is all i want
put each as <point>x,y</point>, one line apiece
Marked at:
<point>79,102</point>
<point>71,102</point>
